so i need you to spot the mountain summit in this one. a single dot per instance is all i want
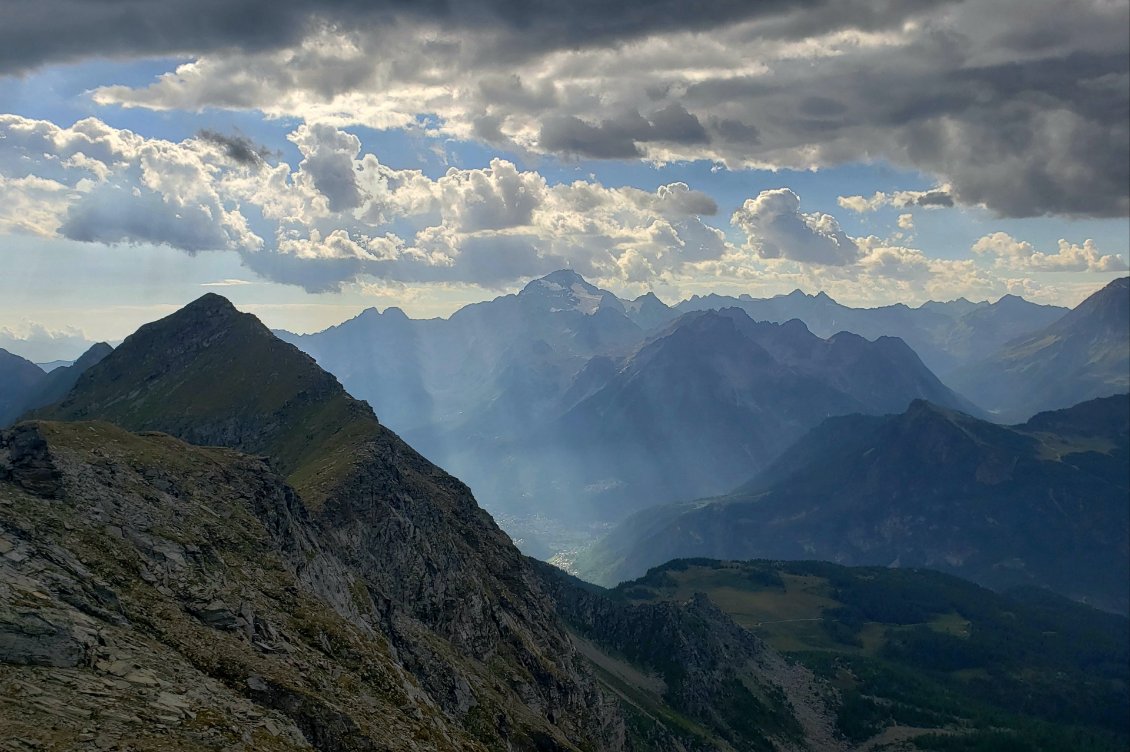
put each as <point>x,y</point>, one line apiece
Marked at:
<point>445,585</point>
<point>565,290</point>
<point>214,376</point>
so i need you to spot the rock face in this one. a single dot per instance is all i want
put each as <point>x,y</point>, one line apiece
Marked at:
<point>24,462</point>
<point>1042,503</point>
<point>730,689</point>
<point>173,592</point>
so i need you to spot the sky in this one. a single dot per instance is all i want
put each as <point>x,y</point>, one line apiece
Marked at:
<point>312,159</point>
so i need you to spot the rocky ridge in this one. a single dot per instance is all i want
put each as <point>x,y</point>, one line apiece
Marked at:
<point>440,581</point>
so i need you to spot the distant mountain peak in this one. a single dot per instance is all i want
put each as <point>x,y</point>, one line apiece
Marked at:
<point>395,312</point>
<point>795,327</point>
<point>565,290</point>
<point>799,294</point>
<point>925,408</point>
<point>564,277</point>
<point>1010,299</point>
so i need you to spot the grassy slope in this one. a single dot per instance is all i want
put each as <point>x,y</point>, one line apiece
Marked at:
<point>235,384</point>
<point>922,650</point>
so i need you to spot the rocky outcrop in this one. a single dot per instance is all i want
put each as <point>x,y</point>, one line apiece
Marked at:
<point>25,461</point>
<point>738,693</point>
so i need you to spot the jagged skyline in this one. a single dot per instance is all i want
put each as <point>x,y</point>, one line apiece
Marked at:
<point>53,347</point>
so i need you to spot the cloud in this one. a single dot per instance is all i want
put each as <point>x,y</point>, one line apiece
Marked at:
<point>497,198</point>
<point>117,213</point>
<point>66,30</point>
<point>1020,255</point>
<point>623,136</point>
<point>239,148</point>
<point>932,199</point>
<point>227,283</point>
<point>775,228</point>
<point>40,344</point>
<point>1020,107</point>
<point>32,205</point>
<point>340,214</point>
<point>328,157</point>
<point>489,226</point>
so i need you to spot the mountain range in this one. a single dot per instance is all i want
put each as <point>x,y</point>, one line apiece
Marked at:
<point>565,407</point>
<point>448,369</point>
<point>209,544</point>
<point>1042,503</point>
<point>945,335</point>
<point>689,412</point>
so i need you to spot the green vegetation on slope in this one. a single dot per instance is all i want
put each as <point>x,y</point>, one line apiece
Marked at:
<point>916,649</point>
<point>214,376</point>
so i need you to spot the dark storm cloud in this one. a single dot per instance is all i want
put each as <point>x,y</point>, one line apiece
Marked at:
<point>619,137</point>
<point>935,198</point>
<point>239,148</point>
<point>44,31</point>
<point>1027,137</point>
<point>1020,105</point>
<point>675,125</point>
<point>571,135</point>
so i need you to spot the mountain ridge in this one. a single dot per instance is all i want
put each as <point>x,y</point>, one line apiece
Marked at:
<point>930,487</point>
<point>1083,355</point>
<point>412,534</point>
